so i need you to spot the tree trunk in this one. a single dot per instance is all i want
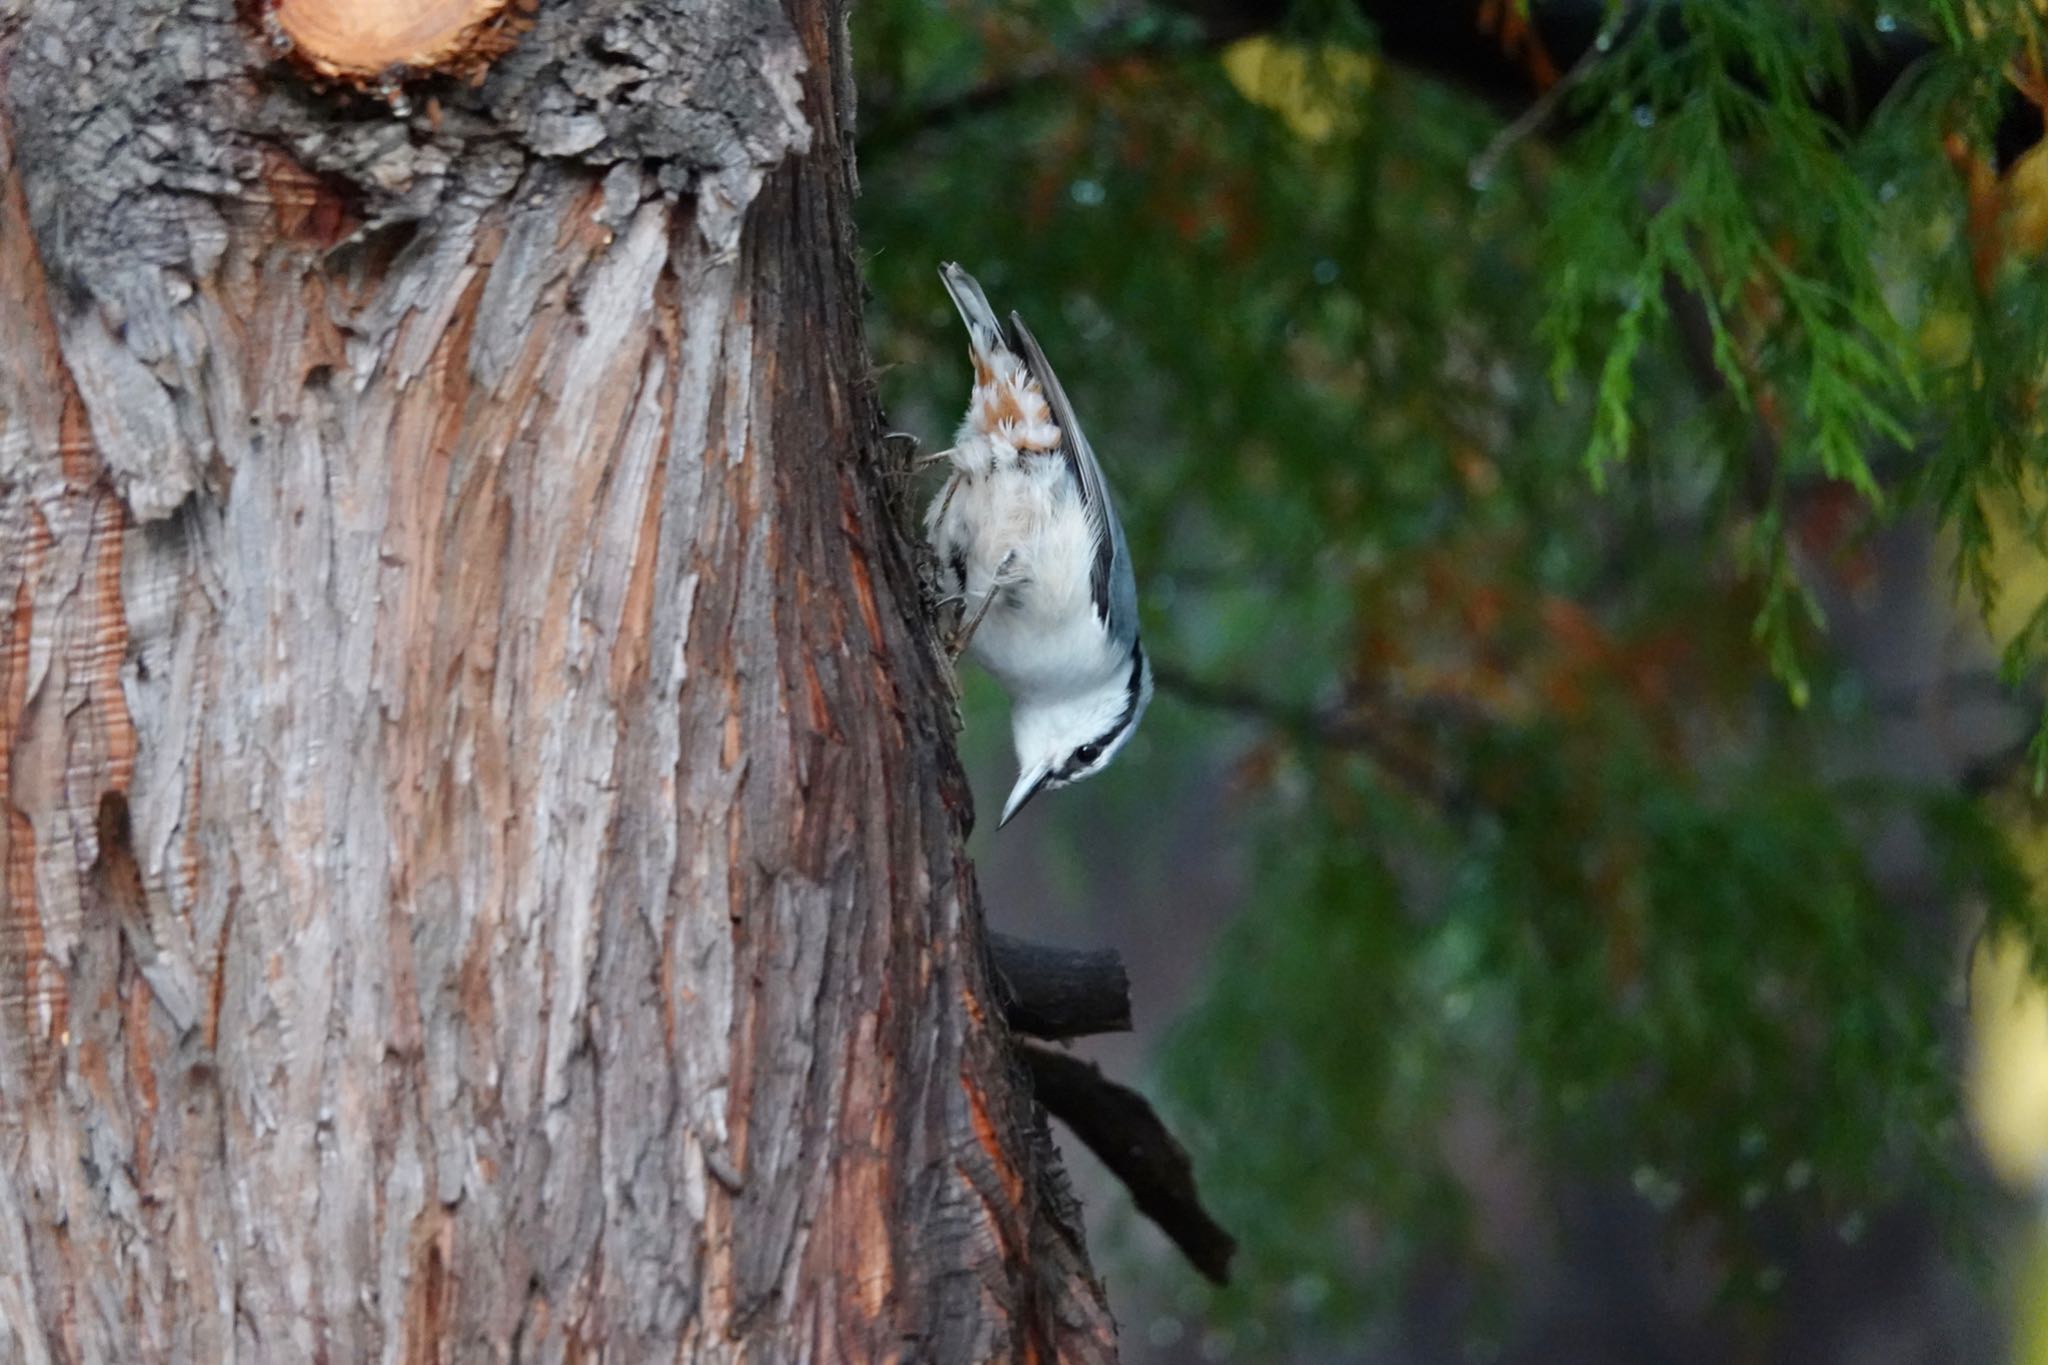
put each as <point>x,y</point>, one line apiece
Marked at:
<point>482,841</point>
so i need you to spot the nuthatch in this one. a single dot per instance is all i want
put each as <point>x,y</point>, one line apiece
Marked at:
<point>1030,547</point>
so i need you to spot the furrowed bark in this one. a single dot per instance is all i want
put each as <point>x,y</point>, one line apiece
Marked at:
<point>482,870</point>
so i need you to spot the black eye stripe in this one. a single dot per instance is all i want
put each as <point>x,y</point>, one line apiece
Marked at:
<point>1073,766</point>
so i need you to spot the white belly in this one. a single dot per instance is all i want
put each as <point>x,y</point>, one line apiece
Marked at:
<point>1040,635</point>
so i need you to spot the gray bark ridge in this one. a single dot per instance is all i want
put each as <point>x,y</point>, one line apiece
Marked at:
<point>134,122</point>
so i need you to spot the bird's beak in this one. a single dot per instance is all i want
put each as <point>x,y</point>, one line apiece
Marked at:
<point>1029,783</point>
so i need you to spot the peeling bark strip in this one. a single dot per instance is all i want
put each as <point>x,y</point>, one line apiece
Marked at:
<point>481,874</point>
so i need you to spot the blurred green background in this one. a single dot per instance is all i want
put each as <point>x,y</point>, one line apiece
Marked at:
<point>1580,871</point>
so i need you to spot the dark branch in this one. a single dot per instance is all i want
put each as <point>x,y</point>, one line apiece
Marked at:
<point>1054,73</point>
<point>1119,1126</point>
<point>1459,42</point>
<point>1355,724</point>
<point>1060,992</point>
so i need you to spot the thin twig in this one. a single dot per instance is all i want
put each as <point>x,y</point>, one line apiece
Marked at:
<point>1347,726</point>
<point>1055,70</point>
<point>1533,120</point>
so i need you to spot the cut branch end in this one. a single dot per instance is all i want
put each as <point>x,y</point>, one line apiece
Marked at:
<point>1060,993</point>
<point>370,43</point>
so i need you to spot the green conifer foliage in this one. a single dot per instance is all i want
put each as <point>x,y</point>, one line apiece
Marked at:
<point>1475,480</point>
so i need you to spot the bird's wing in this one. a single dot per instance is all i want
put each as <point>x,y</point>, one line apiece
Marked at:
<point>1114,588</point>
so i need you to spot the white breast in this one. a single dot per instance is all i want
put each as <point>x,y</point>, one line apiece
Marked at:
<point>1040,636</point>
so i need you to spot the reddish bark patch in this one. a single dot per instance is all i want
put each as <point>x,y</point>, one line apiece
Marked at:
<point>217,989</point>
<point>426,1336</point>
<point>107,643</point>
<point>993,1140</point>
<point>25,977</point>
<point>864,590</point>
<point>142,1081</point>
<point>821,710</point>
<point>320,211</point>
<point>636,613</point>
<point>119,875</point>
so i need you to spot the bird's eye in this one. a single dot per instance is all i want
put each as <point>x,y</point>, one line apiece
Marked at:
<point>1087,754</point>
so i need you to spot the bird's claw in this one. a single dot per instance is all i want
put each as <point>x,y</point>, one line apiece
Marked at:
<point>997,583</point>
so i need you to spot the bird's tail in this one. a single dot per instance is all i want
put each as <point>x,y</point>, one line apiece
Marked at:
<point>984,329</point>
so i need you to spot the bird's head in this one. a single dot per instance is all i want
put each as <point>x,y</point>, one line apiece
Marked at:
<point>1062,739</point>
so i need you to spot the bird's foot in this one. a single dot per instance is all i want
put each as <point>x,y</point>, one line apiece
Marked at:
<point>999,581</point>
